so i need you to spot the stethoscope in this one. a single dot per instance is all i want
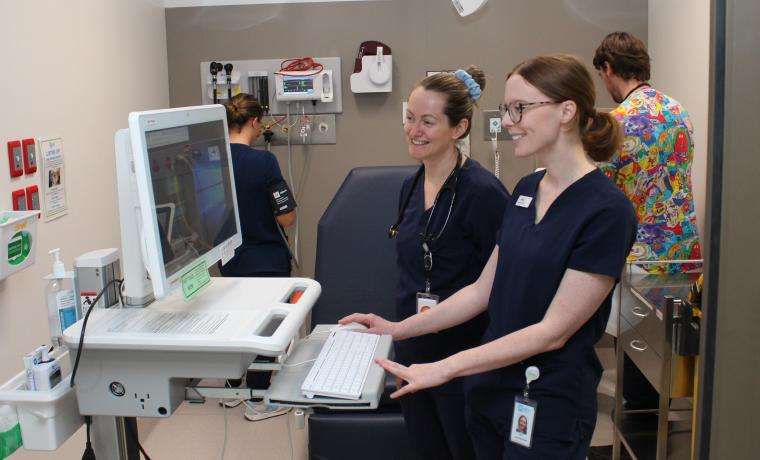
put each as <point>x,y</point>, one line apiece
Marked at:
<point>428,239</point>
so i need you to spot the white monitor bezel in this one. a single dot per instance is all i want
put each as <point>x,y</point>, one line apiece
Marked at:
<point>139,123</point>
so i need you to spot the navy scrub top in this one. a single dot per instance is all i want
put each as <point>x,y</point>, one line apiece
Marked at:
<point>590,228</point>
<point>263,249</point>
<point>458,257</point>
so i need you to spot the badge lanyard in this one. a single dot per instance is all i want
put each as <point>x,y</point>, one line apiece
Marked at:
<point>524,414</point>
<point>640,85</point>
<point>426,300</point>
<point>429,239</point>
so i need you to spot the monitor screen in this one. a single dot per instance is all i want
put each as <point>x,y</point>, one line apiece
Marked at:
<point>192,191</point>
<point>298,84</point>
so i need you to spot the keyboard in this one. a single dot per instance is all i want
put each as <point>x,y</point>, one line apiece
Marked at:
<point>342,365</point>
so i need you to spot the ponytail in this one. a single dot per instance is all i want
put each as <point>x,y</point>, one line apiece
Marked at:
<point>602,136</point>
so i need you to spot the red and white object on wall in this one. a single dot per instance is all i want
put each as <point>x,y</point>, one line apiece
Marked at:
<point>15,158</point>
<point>32,198</point>
<point>18,198</point>
<point>29,149</point>
<point>373,69</point>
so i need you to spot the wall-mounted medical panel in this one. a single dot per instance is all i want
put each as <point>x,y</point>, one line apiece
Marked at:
<point>260,78</point>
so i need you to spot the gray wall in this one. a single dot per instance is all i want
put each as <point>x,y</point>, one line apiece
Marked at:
<point>423,34</point>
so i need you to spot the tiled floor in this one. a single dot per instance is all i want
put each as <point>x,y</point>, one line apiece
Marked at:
<point>197,431</point>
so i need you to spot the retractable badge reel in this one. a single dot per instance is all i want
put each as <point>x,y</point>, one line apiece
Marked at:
<point>426,300</point>
<point>524,414</point>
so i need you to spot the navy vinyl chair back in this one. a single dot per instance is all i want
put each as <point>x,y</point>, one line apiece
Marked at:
<point>356,261</point>
<point>356,266</point>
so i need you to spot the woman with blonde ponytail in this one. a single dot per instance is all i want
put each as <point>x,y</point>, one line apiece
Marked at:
<point>563,242</point>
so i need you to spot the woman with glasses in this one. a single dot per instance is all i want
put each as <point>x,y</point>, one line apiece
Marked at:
<point>562,245</point>
<point>449,213</point>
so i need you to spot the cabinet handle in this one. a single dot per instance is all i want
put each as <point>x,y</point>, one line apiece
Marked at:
<point>640,312</point>
<point>638,345</point>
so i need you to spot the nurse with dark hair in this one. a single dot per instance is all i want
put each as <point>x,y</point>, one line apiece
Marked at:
<point>264,252</point>
<point>547,285</point>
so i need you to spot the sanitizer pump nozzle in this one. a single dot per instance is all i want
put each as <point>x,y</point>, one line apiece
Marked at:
<point>59,270</point>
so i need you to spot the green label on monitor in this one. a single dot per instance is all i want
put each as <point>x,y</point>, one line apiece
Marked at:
<point>195,279</point>
<point>19,247</point>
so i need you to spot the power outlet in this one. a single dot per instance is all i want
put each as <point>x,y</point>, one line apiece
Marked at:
<point>492,122</point>
<point>310,130</point>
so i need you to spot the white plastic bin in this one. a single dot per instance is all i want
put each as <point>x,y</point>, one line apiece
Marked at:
<point>47,418</point>
<point>18,240</point>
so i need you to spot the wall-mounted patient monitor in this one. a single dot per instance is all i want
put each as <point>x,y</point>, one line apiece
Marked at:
<point>304,86</point>
<point>185,191</point>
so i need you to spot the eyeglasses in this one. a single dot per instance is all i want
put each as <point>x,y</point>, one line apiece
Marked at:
<point>516,109</point>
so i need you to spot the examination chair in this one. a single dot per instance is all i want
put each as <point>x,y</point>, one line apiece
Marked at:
<point>356,266</point>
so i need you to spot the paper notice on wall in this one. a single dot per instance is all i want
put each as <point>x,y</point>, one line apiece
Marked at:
<point>53,179</point>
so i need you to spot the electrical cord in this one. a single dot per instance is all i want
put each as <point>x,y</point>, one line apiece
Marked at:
<point>89,453</point>
<point>84,325</point>
<point>295,251</point>
<point>303,64</point>
<point>300,364</point>
<point>136,439</point>
<point>224,445</point>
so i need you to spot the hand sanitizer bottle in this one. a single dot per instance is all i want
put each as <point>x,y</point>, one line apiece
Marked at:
<point>61,303</point>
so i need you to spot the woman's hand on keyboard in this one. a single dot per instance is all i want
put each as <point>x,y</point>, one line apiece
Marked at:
<point>417,376</point>
<point>375,324</point>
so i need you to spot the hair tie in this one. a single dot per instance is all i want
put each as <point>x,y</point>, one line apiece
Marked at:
<point>472,86</point>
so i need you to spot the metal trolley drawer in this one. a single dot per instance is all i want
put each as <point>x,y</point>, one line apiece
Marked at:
<point>646,321</point>
<point>641,352</point>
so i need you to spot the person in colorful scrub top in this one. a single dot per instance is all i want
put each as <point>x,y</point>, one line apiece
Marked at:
<point>564,239</point>
<point>653,164</point>
<point>449,214</point>
<point>653,168</point>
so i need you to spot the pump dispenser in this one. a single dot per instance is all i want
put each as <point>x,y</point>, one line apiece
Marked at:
<point>59,295</point>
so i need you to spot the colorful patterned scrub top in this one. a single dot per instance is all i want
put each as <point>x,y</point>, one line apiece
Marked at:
<point>653,169</point>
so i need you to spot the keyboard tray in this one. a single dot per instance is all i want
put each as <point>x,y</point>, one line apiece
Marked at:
<point>285,388</point>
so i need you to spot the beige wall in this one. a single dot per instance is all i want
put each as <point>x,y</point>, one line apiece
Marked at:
<point>679,43</point>
<point>74,69</point>
<point>423,34</point>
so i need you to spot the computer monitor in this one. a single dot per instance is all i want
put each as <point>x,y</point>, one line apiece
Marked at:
<point>186,190</point>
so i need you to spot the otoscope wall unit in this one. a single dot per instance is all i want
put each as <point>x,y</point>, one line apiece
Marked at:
<point>317,90</point>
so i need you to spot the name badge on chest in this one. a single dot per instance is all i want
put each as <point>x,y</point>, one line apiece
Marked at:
<point>426,301</point>
<point>523,201</point>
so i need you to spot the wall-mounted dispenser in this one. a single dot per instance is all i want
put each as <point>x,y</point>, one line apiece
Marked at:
<point>373,69</point>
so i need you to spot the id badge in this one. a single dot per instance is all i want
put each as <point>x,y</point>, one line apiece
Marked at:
<point>523,420</point>
<point>426,301</point>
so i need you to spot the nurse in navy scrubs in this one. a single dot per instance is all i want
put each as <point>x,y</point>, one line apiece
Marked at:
<point>449,214</point>
<point>264,252</point>
<point>563,242</point>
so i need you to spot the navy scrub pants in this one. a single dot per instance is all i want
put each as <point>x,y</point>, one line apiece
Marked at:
<point>490,436</point>
<point>436,426</point>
